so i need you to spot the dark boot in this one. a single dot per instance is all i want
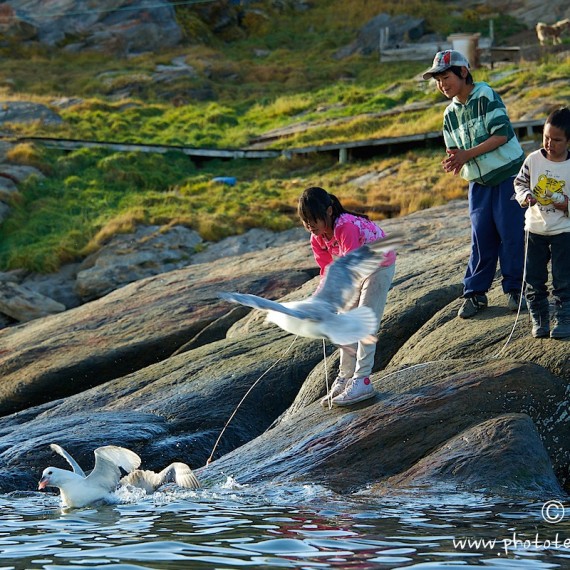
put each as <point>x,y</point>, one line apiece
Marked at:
<point>562,327</point>
<point>540,316</point>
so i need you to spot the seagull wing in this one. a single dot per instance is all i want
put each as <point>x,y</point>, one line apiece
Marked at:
<point>261,303</point>
<point>343,275</point>
<point>143,479</point>
<point>74,465</point>
<point>109,460</point>
<point>180,474</point>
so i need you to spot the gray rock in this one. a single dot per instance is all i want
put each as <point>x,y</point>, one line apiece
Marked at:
<point>15,28</point>
<point>18,173</point>
<point>14,276</point>
<point>400,28</point>
<point>145,25</point>
<point>58,286</point>
<point>150,250</point>
<point>27,112</point>
<point>137,325</point>
<point>253,240</point>
<point>8,188</point>
<point>24,305</point>
<point>529,11</point>
<point>179,69</point>
<point>418,410</point>
<point>66,102</point>
<point>503,455</point>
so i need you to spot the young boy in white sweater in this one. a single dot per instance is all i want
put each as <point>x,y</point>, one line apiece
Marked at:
<point>542,186</point>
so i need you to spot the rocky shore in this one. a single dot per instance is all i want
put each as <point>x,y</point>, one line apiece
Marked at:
<point>159,365</point>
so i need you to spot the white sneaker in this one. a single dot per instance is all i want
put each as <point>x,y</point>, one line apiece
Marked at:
<point>337,388</point>
<point>357,390</point>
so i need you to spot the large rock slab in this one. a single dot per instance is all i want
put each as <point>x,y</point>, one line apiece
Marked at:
<point>418,410</point>
<point>224,396</point>
<point>496,332</point>
<point>138,325</point>
<point>176,410</point>
<point>124,25</point>
<point>503,455</point>
<point>149,366</point>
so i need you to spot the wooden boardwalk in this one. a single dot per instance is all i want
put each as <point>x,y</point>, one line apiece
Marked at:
<point>346,151</point>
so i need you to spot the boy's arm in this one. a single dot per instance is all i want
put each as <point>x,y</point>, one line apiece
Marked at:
<point>523,192</point>
<point>457,157</point>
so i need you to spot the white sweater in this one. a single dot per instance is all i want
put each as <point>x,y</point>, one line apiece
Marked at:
<point>543,178</point>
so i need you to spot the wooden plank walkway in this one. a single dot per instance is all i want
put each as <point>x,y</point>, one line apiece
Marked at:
<point>345,150</point>
<point>205,153</point>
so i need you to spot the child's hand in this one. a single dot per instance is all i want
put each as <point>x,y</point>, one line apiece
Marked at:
<point>530,200</point>
<point>561,204</point>
<point>454,161</point>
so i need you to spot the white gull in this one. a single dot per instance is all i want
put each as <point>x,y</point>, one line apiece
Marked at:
<point>78,489</point>
<point>321,315</point>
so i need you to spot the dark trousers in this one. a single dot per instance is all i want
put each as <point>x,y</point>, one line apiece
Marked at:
<point>497,235</point>
<point>541,250</point>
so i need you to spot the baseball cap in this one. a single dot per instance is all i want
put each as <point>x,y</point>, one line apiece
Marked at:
<point>444,60</point>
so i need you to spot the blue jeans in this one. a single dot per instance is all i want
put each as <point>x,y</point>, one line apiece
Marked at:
<point>497,235</point>
<point>541,250</point>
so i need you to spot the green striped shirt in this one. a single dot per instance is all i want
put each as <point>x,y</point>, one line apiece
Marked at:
<point>465,126</point>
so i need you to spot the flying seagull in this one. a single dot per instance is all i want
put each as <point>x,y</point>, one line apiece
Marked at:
<point>321,315</point>
<point>78,489</point>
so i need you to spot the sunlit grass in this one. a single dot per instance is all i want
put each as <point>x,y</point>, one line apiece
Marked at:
<point>282,74</point>
<point>66,216</point>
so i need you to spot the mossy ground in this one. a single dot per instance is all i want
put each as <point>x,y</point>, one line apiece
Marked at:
<point>88,195</point>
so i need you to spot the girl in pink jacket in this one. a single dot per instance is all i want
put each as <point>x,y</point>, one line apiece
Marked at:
<point>334,232</point>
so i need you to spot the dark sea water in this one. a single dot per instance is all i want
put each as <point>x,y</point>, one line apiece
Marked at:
<point>305,527</point>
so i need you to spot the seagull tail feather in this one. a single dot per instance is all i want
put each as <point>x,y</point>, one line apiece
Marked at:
<point>358,324</point>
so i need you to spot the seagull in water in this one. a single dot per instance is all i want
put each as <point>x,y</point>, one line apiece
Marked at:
<point>111,462</point>
<point>321,316</point>
<point>78,489</point>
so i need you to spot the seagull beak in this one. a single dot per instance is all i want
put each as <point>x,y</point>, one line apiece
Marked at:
<point>43,483</point>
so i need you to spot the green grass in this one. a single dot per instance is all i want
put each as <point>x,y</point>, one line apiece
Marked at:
<point>89,195</point>
<point>92,195</point>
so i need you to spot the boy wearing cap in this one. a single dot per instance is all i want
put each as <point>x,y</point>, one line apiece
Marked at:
<point>481,145</point>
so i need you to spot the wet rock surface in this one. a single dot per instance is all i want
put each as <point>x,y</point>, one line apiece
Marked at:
<point>162,366</point>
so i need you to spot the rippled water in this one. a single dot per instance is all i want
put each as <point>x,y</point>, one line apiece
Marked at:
<point>281,527</point>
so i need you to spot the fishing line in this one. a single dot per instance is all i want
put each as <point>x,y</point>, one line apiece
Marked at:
<point>329,399</point>
<point>245,396</point>
<point>408,368</point>
<point>520,295</point>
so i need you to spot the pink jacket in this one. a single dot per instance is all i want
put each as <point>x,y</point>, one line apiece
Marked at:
<point>350,232</point>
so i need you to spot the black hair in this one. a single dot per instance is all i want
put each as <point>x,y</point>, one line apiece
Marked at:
<point>314,203</point>
<point>560,118</point>
<point>456,70</point>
